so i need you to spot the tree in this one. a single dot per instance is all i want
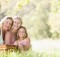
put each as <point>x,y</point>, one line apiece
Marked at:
<point>54,17</point>
<point>34,14</point>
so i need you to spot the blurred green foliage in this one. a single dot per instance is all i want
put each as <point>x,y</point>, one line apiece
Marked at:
<point>40,17</point>
<point>54,18</point>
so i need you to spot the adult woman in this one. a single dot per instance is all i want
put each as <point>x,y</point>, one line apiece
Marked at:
<point>6,25</point>
<point>10,36</point>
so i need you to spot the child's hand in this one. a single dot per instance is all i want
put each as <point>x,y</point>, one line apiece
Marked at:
<point>22,43</point>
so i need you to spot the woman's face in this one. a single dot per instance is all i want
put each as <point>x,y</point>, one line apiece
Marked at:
<point>21,33</point>
<point>7,24</point>
<point>16,24</point>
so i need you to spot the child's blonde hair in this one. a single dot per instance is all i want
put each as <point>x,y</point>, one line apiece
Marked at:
<point>25,31</point>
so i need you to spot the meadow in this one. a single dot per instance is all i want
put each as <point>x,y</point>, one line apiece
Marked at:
<point>30,53</point>
<point>51,48</point>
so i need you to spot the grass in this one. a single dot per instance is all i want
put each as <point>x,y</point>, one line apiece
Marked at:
<point>30,53</point>
<point>47,48</point>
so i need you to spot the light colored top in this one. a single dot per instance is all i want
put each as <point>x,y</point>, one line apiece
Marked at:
<point>1,37</point>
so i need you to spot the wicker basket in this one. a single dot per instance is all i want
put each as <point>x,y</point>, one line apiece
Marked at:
<point>7,47</point>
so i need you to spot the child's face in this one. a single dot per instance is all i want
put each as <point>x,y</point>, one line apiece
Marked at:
<point>16,24</point>
<point>7,24</point>
<point>21,32</point>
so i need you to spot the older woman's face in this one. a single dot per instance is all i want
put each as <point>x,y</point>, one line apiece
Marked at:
<point>16,24</point>
<point>7,24</point>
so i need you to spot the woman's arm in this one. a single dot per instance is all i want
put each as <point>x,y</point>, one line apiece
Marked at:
<point>16,43</point>
<point>7,37</point>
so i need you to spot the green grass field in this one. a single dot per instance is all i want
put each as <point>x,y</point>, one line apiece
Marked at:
<point>40,48</point>
<point>30,53</point>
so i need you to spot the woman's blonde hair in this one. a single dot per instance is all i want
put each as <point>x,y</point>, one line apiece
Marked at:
<point>18,17</point>
<point>2,23</point>
<point>4,19</point>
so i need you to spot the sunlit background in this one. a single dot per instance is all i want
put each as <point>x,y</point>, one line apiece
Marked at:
<point>40,17</point>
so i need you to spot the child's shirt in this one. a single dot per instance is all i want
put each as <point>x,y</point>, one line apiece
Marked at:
<point>25,42</point>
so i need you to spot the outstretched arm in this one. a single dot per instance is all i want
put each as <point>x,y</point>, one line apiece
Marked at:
<point>7,38</point>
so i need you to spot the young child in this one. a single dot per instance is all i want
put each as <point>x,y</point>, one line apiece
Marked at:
<point>23,41</point>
